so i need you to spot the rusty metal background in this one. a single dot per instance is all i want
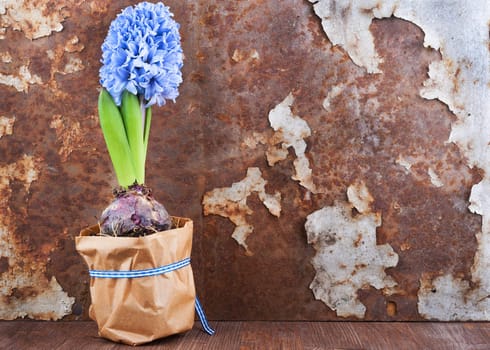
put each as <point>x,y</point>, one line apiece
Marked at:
<point>242,58</point>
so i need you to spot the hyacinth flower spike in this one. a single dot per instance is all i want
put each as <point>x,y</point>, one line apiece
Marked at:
<point>142,60</point>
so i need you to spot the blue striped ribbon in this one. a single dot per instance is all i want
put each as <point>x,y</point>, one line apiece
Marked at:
<point>140,273</point>
<point>154,272</point>
<point>202,317</point>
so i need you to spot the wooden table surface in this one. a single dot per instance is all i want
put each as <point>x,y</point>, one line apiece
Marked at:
<point>74,335</point>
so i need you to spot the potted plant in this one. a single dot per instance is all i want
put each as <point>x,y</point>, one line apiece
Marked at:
<point>142,285</point>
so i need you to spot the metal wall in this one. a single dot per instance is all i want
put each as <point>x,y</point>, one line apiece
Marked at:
<point>332,154</point>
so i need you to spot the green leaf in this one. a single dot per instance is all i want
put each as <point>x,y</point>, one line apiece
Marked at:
<point>114,132</point>
<point>133,123</point>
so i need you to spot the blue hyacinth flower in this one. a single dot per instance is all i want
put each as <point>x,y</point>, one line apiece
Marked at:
<point>143,55</point>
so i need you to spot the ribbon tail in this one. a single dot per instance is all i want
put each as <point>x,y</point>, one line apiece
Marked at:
<point>203,319</point>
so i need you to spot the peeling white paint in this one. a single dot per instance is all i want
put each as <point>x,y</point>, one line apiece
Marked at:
<point>6,57</point>
<point>461,80</point>
<point>404,163</point>
<point>25,292</point>
<point>480,204</point>
<point>359,196</point>
<point>74,45</point>
<point>252,141</point>
<point>231,203</point>
<point>245,55</point>
<point>22,80</point>
<point>35,19</point>
<point>52,303</point>
<point>73,65</point>
<point>50,54</point>
<point>434,178</point>
<point>347,257</point>
<point>447,298</point>
<point>6,125</point>
<point>347,22</point>
<point>291,131</point>
<point>334,92</point>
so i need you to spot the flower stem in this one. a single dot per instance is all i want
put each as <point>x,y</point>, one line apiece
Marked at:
<point>131,112</point>
<point>142,112</point>
<point>146,135</point>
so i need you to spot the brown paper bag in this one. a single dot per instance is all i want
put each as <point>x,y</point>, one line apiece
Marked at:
<point>139,310</point>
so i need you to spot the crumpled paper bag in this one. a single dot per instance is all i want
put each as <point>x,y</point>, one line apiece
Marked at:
<point>139,310</point>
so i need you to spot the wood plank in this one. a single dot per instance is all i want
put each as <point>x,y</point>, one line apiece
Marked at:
<point>27,335</point>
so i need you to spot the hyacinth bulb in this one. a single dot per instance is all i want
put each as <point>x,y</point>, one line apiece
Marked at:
<point>134,212</point>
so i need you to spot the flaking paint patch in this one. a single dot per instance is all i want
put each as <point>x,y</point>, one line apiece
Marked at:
<point>74,45</point>
<point>52,303</point>
<point>252,141</point>
<point>290,131</point>
<point>231,203</point>
<point>73,65</point>
<point>6,125</point>
<point>240,55</point>
<point>434,178</point>
<point>6,57</point>
<point>402,161</point>
<point>358,195</point>
<point>35,18</point>
<point>479,204</point>
<point>347,257</point>
<point>447,298</point>
<point>22,80</point>
<point>346,24</point>
<point>335,91</point>
<point>24,289</point>
<point>461,80</point>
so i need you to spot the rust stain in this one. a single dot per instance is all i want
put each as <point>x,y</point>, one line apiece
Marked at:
<point>391,308</point>
<point>4,264</point>
<point>69,134</point>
